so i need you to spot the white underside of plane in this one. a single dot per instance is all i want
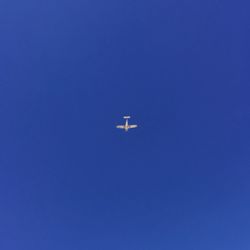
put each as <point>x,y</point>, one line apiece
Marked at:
<point>126,126</point>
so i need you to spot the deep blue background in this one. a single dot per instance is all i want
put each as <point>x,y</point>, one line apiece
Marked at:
<point>69,71</point>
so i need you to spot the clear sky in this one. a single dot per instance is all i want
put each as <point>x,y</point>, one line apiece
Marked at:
<point>69,71</point>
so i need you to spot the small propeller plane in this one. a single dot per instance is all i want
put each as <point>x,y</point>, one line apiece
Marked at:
<point>126,127</point>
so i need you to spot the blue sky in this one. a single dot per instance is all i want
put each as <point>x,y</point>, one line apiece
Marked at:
<point>70,70</point>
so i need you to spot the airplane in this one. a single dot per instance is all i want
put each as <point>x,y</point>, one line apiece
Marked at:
<point>126,127</point>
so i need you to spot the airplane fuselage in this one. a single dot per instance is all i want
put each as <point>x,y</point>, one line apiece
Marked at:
<point>126,126</point>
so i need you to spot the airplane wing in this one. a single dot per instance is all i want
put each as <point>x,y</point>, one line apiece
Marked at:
<point>132,126</point>
<point>120,126</point>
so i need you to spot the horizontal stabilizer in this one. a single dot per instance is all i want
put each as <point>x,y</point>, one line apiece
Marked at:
<point>126,117</point>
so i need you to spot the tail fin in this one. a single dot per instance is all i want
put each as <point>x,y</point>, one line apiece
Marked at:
<point>126,117</point>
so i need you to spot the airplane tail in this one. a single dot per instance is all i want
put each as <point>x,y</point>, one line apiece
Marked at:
<point>126,117</point>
